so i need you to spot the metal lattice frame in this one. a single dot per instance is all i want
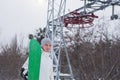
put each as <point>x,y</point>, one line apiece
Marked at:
<point>54,30</point>
<point>91,6</point>
<point>55,24</point>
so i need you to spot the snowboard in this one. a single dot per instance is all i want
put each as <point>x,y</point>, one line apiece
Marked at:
<point>35,52</point>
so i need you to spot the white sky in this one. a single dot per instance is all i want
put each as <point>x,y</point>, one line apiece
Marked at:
<point>22,17</point>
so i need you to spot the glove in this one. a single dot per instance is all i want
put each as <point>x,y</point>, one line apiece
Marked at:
<point>24,73</point>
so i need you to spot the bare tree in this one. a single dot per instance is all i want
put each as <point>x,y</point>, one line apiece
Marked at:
<point>94,54</point>
<point>11,61</point>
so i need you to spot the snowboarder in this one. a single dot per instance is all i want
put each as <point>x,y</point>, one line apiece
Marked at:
<point>46,66</point>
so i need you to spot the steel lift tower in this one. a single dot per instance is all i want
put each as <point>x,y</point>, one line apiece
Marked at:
<point>54,30</point>
<point>57,20</point>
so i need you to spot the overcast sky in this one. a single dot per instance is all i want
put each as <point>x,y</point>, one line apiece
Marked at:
<point>22,17</point>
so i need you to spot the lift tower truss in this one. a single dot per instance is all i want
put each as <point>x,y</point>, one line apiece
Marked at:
<point>54,30</point>
<point>57,19</point>
<point>85,14</point>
